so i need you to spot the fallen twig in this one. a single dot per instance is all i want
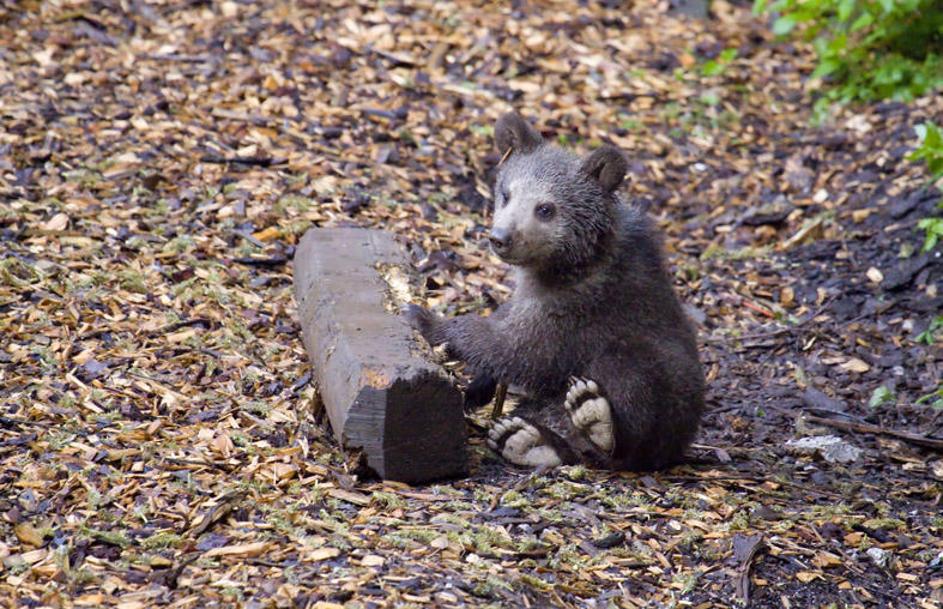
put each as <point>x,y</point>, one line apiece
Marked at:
<point>778,331</point>
<point>912,438</point>
<point>12,422</point>
<point>266,262</point>
<point>259,161</point>
<point>215,514</point>
<point>745,549</point>
<point>500,394</point>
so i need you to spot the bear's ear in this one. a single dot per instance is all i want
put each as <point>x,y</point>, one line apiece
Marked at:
<point>513,132</point>
<point>607,165</point>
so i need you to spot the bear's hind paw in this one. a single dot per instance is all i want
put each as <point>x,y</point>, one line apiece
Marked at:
<point>590,413</point>
<point>522,444</point>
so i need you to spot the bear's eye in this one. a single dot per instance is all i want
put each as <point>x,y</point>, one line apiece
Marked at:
<point>505,196</point>
<point>545,211</point>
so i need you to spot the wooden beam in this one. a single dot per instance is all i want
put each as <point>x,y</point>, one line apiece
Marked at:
<point>381,394</point>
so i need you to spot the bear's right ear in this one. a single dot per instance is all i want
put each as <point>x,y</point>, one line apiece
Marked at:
<point>513,132</point>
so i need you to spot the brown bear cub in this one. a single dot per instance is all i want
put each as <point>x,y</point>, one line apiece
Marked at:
<point>594,333</point>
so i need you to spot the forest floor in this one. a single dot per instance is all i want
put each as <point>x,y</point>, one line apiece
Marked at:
<point>158,162</point>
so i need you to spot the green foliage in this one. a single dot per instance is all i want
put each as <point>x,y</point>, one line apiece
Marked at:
<point>716,67</point>
<point>933,231</point>
<point>868,49</point>
<point>930,151</point>
<point>882,395</point>
<point>935,399</point>
<point>931,148</point>
<point>928,336</point>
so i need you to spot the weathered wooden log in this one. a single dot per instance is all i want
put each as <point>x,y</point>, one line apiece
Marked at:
<point>699,9</point>
<point>380,393</point>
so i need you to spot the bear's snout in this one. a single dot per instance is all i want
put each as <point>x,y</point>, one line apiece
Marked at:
<point>500,239</point>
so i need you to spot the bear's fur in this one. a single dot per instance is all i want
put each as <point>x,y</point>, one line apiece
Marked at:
<point>594,320</point>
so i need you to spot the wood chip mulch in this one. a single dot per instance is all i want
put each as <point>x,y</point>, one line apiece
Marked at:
<point>160,444</point>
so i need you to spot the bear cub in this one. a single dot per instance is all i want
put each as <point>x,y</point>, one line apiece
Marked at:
<point>594,333</point>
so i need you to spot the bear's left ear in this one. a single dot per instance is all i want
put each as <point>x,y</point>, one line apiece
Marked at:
<point>607,165</point>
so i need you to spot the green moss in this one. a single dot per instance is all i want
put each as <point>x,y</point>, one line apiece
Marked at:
<point>535,582</point>
<point>133,281</point>
<point>115,538</point>
<point>408,538</point>
<point>885,524</point>
<point>162,540</point>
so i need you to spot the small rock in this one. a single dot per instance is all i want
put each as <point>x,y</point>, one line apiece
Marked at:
<point>879,556</point>
<point>354,201</point>
<point>831,448</point>
<point>229,9</point>
<point>936,468</point>
<point>936,562</point>
<point>372,560</point>
<point>387,155</point>
<point>610,541</point>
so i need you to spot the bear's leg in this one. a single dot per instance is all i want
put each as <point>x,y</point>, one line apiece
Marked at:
<point>654,397</point>
<point>591,414</point>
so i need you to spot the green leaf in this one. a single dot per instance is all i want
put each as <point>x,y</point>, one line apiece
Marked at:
<point>826,67</point>
<point>712,68</point>
<point>933,136</point>
<point>710,99</point>
<point>882,395</point>
<point>784,25</point>
<point>927,336</point>
<point>930,242</point>
<point>863,21</point>
<point>845,7</point>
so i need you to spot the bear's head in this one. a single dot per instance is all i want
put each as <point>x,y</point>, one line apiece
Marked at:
<point>553,211</point>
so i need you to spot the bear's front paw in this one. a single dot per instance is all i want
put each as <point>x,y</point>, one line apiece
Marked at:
<point>479,392</point>
<point>425,321</point>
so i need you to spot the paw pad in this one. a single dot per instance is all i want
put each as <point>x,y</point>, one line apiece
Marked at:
<point>590,413</point>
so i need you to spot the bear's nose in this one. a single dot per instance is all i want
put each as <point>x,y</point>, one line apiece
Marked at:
<point>500,238</point>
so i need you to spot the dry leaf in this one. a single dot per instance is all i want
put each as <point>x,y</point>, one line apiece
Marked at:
<point>244,550</point>
<point>855,365</point>
<point>28,534</point>
<point>267,234</point>
<point>56,223</point>
<point>350,496</point>
<point>320,554</point>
